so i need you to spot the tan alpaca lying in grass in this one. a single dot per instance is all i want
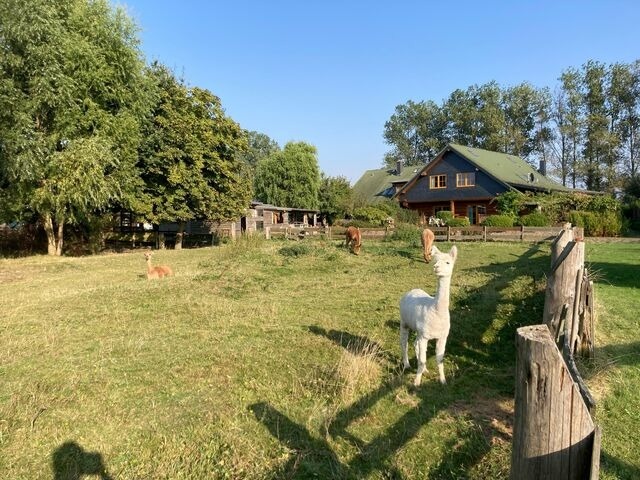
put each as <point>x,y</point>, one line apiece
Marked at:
<point>160,271</point>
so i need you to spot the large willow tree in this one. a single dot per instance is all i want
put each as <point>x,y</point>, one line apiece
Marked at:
<point>290,177</point>
<point>72,93</point>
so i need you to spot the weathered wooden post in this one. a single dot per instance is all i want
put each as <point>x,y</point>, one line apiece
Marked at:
<point>567,260</point>
<point>267,233</point>
<point>484,233</point>
<point>554,436</point>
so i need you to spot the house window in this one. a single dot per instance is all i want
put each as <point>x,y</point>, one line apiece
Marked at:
<point>465,179</point>
<point>436,210</point>
<point>438,181</point>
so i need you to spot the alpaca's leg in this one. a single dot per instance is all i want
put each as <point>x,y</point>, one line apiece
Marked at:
<point>421,354</point>
<point>440,346</point>
<point>404,346</point>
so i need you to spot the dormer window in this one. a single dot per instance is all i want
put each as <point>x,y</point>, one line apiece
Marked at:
<point>437,181</point>
<point>467,179</point>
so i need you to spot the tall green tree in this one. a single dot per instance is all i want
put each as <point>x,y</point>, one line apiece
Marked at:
<point>526,111</point>
<point>571,85</point>
<point>463,120</point>
<point>597,148</point>
<point>260,146</point>
<point>290,177</point>
<point>624,101</point>
<point>72,93</point>
<point>335,197</point>
<point>416,132</point>
<point>191,158</point>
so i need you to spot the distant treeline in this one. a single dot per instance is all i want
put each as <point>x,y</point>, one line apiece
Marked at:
<point>587,128</point>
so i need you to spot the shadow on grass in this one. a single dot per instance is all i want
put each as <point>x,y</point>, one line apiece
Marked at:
<point>614,274</point>
<point>622,470</point>
<point>484,378</point>
<point>71,462</point>
<point>354,344</point>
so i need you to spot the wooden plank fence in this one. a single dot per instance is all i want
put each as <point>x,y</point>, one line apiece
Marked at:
<point>554,436</point>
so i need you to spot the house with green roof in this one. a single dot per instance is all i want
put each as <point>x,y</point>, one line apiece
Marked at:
<point>465,181</point>
<point>375,186</point>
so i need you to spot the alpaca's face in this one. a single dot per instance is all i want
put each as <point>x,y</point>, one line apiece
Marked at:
<point>445,262</point>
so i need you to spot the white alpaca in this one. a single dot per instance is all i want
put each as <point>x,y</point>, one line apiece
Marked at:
<point>428,316</point>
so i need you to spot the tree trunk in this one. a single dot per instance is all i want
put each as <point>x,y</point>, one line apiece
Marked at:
<point>59,239</point>
<point>180,235</point>
<point>54,235</point>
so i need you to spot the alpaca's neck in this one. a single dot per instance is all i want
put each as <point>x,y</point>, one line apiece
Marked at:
<point>149,267</point>
<point>442,293</point>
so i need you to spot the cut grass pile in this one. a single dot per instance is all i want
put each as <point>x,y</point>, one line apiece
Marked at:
<point>280,360</point>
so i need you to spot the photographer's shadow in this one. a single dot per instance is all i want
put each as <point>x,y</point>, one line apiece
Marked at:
<point>71,462</point>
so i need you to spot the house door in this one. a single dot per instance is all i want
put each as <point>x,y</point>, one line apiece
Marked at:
<point>471,214</point>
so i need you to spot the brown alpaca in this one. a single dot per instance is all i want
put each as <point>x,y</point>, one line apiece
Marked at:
<point>353,238</point>
<point>160,271</point>
<point>427,243</point>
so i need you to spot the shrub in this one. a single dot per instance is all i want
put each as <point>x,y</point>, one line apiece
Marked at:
<point>445,215</point>
<point>356,223</point>
<point>535,219</point>
<point>583,219</point>
<point>458,222</point>
<point>498,221</point>
<point>604,224</point>
<point>408,233</point>
<point>510,203</point>
<point>371,214</point>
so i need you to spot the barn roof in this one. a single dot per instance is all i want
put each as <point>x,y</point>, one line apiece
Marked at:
<point>377,185</point>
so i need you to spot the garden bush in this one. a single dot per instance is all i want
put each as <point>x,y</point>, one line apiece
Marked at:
<point>535,219</point>
<point>445,215</point>
<point>458,222</point>
<point>372,214</point>
<point>602,224</point>
<point>407,233</point>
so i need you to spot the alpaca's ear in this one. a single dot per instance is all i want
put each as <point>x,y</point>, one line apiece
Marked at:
<point>454,252</point>
<point>435,251</point>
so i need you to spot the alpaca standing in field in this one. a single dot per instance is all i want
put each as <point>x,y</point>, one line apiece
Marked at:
<point>427,243</point>
<point>160,271</point>
<point>353,238</point>
<point>428,316</point>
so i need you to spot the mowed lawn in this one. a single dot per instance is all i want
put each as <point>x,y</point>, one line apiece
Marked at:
<point>273,359</point>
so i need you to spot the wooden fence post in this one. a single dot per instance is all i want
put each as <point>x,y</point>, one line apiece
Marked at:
<point>484,233</point>
<point>267,233</point>
<point>567,260</point>
<point>553,433</point>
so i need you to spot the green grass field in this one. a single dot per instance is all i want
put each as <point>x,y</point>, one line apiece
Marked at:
<point>266,359</point>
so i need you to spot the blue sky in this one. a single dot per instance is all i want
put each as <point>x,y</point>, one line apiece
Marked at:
<point>331,73</point>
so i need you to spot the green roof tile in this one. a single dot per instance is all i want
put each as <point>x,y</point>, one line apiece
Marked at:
<point>375,185</point>
<point>508,169</point>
